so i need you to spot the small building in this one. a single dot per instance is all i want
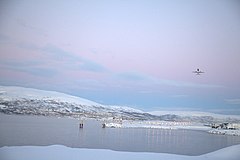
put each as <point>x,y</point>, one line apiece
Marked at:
<point>231,126</point>
<point>215,125</point>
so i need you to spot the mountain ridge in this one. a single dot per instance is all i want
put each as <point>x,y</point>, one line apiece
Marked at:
<point>20,100</point>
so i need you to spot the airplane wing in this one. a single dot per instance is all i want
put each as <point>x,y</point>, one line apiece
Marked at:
<point>198,72</point>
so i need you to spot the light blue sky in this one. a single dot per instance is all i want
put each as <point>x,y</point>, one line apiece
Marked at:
<point>139,53</point>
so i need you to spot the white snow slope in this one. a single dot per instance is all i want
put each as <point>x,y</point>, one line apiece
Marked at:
<point>13,93</point>
<point>64,153</point>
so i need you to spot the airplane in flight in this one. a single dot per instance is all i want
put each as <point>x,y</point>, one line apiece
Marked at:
<point>198,72</point>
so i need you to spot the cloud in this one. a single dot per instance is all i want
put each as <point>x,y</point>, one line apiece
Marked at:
<point>73,61</point>
<point>150,80</point>
<point>132,76</point>
<point>187,84</point>
<point>91,66</point>
<point>47,61</point>
<point>39,71</point>
<point>233,101</point>
<point>225,111</point>
<point>58,53</point>
<point>21,63</point>
<point>28,46</point>
<point>36,68</point>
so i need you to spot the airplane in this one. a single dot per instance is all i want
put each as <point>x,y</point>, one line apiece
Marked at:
<point>198,72</point>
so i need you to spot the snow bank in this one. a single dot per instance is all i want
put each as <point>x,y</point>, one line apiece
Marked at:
<point>65,153</point>
<point>225,132</point>
<point>113,125</point>
<point>158,125</point>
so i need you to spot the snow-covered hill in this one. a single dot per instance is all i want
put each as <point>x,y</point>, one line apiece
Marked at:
<point>194,114</point>
<point>13,93</point>
<point>20,100</point>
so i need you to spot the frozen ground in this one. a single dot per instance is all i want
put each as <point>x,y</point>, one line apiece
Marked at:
<point>65,153</point>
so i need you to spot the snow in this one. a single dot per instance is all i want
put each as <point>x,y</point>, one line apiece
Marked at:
<point>113,125</point>
<point>12,92</point>
<point>225,132</point>
<point>158,125</point>
<point>65,153</point>
<point>193,113</point>
<point>124,108</point>
<point>172,125</point>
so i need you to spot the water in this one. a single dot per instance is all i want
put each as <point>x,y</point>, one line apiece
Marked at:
<point>36,130</point>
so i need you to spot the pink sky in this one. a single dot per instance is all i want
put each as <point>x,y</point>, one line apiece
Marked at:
<point>137,53</point>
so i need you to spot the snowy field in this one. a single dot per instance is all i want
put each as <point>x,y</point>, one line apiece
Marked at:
<point>64,153</point>
<point>172,125</point>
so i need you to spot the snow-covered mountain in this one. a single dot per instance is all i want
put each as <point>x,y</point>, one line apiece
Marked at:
<point>194,114</point>
<point>13,93</point>
<point>19,100</point>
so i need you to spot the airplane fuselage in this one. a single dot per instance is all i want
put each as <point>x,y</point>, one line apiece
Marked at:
<point>198,72</point>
